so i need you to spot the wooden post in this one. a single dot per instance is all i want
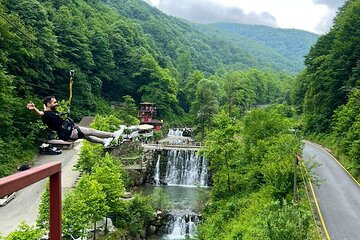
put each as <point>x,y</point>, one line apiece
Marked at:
<point>55,206</point>
<point>21,180</point>
<point>295,176</point>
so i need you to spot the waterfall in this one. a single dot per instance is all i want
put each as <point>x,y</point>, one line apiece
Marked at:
<point>157,171</point>
<point>182,225</point>
<point>184,167</point>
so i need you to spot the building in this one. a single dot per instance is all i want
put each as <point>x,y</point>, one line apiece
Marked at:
<point>147,114</point>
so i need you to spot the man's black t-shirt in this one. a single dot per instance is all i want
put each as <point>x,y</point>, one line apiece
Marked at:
<point>53,120</point>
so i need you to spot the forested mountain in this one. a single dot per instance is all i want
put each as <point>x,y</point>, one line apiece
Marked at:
<point>327,90</point>
<point>120,48</point>
<point>206,77</point>
<point>233,45</point>
<point>292,44</point>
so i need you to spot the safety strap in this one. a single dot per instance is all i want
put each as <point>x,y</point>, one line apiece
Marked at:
<point>70,85</point>
<point>71,75</point>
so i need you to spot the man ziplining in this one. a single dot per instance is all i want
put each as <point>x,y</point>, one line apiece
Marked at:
<point>66,129</point>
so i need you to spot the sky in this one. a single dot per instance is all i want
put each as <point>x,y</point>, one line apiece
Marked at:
<point>310,15</point>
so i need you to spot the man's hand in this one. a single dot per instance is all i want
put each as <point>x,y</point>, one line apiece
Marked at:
<point>31,105</point>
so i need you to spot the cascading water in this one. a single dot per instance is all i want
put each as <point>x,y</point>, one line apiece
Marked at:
<point>184,167</point>
<point>184,170</point>
<point>157,171</point>
<point>182,224</point>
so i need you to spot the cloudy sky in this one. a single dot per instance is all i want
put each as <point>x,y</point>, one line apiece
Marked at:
<point>310,15</point>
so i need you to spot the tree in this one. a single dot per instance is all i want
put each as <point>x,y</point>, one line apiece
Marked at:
<point>91,197</point>
<point>90,155</point>
<point>25,232</point>
<point>159,200</point>
<point>232,85</point>
<point>346,129</point>
<point>188,92</point>
<point>108,175</point>
<point>332,69</point>
<point>161,88</point>
<point>128,111</point>
<point>223,150</point>
<point>75,221</point>
<point>184,66</point>
<point>206,104</point>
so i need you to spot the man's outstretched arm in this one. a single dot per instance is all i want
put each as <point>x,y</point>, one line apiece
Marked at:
<point>31,106</point>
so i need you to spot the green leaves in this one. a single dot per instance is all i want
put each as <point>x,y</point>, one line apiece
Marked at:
<point>251,161</point>
<point>331,69</point>
<point>158,87</point>
<point>288,221</point>
<point>159,200</point>
<point>24,232</point>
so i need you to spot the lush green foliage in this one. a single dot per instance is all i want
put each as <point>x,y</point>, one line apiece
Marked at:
<point>235,46</point>
<point>252,163</point>
<point>159,200</point>
<point>234,92</point>
<point>98,194</point>
<point>133,216</point>
<point>130,49</point>
<point>280,48</point>
<point>332,70</point>
<point>127,112</point>
<point>326,90</point>
<point>24,232</point>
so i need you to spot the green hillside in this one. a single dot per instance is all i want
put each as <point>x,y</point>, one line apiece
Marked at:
<point>292,44</point>
<point>120,48</point>
<point>217,45</point>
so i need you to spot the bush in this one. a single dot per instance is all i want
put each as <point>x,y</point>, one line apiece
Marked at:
<point>159,200</point>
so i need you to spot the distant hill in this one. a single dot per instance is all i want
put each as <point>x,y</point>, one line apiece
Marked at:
<point>293,44</point>
<point>234,46</point>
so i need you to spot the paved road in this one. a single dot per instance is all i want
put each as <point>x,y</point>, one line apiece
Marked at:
<point>25,205</point>
<point>338,195</point>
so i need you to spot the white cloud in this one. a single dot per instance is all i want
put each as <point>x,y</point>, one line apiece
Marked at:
<point>310,15</point>
<point>206,11</point>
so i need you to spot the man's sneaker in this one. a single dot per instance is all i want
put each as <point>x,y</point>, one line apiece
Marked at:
<point>107,142</point>
<point>118,133</point>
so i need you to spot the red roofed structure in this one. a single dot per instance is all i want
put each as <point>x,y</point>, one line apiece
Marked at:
<point>147,114</point>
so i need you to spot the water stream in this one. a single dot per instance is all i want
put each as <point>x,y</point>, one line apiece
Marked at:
<point>157,171</point>
<point>186,176</point>
<point>185,167</point>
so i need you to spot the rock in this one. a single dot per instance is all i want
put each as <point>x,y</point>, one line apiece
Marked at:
<point>127,195</point>
<point>152,229</point>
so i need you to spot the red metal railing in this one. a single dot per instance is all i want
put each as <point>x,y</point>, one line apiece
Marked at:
<point>20,180</point>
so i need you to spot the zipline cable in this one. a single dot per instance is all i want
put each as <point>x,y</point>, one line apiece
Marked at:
<point>51,53</point>
<point>28,37</point>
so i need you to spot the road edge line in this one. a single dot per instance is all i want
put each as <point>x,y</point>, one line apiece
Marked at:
<point>306,187</point>
<point>319,211</point>
<point>317,204</point>
<point>321,148</point>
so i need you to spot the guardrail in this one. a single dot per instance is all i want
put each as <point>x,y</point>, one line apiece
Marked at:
<point>21,180</point>
<point>171,146</point>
